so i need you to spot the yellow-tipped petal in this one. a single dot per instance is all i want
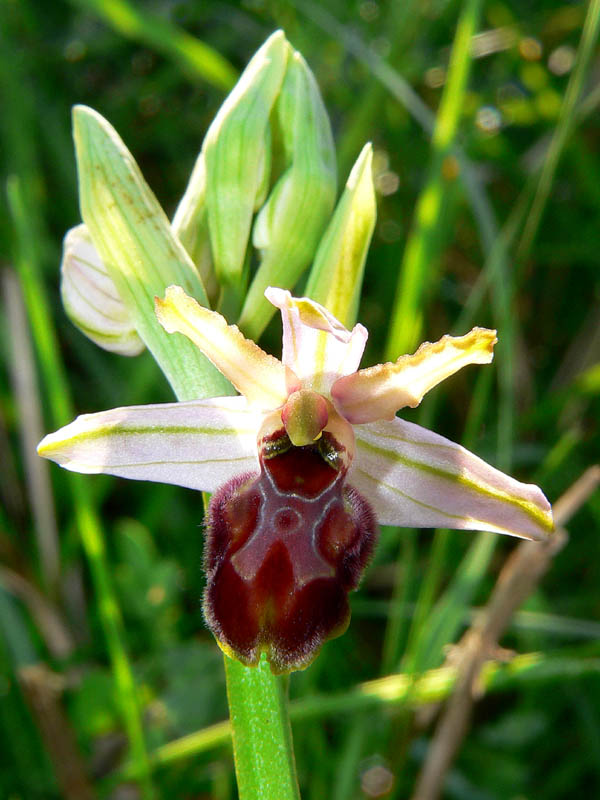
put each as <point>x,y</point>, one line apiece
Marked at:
<point>378,392</point>
<point>263,380</point>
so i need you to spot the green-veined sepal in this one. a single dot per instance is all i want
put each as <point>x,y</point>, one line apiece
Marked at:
<point>416,478</point>
<point>200,444</point>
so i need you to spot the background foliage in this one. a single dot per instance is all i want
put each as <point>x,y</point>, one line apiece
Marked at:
<point>535,412</point>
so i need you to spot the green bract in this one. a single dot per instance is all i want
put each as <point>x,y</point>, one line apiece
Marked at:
<point>134,240</point>
<point>336,275</point>
<point>190,225</point>
<point>267,165</point>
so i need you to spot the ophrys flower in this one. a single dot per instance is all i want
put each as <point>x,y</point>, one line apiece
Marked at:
<point>303,463</point>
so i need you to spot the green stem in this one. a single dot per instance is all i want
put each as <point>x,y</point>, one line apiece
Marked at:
<point>424,243</point>
<point>258,712</point>
<point>262,737</point>
<point>566,123</point>
<point>404,584</point>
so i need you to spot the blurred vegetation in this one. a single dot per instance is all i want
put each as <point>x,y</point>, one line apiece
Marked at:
<point>514,247</point>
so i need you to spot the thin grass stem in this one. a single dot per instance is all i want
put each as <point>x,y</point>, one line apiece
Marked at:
<point>87,521</point>
<point>195,57</point>
<point>432,687</point>
<point>418,269</point>
<point>567,120</point>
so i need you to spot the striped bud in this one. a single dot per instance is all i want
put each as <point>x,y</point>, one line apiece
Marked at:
<point>91,299</point>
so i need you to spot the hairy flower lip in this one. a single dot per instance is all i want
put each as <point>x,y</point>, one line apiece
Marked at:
<point>276,545</point>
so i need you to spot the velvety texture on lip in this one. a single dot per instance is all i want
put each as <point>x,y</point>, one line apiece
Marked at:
<point>283,550</point>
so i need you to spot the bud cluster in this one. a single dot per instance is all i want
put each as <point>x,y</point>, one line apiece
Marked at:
<point>257,211</point>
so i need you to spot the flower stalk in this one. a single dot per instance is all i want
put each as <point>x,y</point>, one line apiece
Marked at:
<point>260,727</point>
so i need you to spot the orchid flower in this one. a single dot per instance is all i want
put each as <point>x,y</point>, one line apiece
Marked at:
<point>303,464</point>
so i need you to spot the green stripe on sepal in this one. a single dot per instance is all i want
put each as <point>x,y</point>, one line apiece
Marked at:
<point>134,239</point>
<point>461,480</point>
<point>335,279</point>
<point>237,157</point>
<point>290,224</point>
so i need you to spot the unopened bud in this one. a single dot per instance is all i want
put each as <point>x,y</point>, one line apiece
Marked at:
<point>190,225</point>
<point>91,299</point>
<point>289,226</point>
<point>237,156</point>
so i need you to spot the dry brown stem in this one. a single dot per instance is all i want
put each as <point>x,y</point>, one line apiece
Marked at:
<point>519,576</point>
<point>31,429</point>
<point>50,624</point>
<point>42,689</point>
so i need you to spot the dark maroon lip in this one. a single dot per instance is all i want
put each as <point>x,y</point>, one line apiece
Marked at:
<point>283,550</point>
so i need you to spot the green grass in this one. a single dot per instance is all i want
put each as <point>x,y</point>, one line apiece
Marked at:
<point>487,176</point>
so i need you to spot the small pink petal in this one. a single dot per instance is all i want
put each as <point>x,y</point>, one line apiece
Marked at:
<point>378,392</point>
<point>316,346</point>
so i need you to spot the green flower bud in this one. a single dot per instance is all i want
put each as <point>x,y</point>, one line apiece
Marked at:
<point>336,276</point>
<point>289,226</point>
<point>91,299</point>
<point>237,157</point>
<point>190,225</point>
